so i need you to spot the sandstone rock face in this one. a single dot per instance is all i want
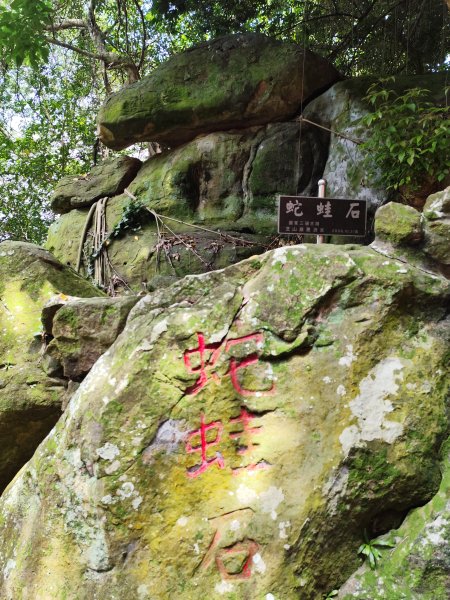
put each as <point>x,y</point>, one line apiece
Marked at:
<point>419,565</point>
<point>419,238</point>
<point>30,401</point>
<point>340,108</point>
<point>399,224</point>
<point>142,257</point>
<point>82,330</point>
<point>107,179</point>
<point>233,178</point>
<point>227,181</point>
<point>234,81</point>
<point>239,435</point>
<point>437,228</point>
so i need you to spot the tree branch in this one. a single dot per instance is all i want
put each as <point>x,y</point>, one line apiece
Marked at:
<point>318,18</point>
<point>144,34</point>
<point>112,60</point>
<point>361,20</point>
<point>66,24</point>
<point>75,48</point>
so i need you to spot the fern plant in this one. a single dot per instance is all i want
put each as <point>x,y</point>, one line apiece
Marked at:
<point>370,549</point>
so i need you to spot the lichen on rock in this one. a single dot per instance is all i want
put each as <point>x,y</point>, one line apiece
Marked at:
<point>208,441</point>
<point>30,401</point>
<point>234,81</point>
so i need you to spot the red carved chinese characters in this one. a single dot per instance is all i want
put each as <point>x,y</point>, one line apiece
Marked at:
<point>205,363</point>
<point>245,419</point>
<point>247,549</point>
<point>203,447</point>
<point>208,355</point>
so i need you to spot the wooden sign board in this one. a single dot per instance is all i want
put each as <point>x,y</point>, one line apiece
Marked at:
<point>321,216</point>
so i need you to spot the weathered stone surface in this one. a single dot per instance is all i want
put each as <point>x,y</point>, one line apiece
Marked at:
<point>233,178</point>
<point>240,434</point>
<point>340,108</point>
<point>140,257</point>
<point>399,224</point>
<point>82,330</point>
<point>234,81</point>
<point>399,227</point>
<point>419,566</point>
<point>30,402</point>
<point>64,236</point>
<point>437,228</point>
<point>227,181</point>
<point>107,179</point>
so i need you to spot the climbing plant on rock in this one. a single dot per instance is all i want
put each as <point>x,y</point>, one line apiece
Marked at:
<point>409,139</point>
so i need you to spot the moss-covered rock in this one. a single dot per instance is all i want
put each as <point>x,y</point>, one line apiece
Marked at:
<point>238,437</point>
<point>340,109</point>
<point>399,224</point>
<point>234,81</point>
<point>418,567</point>
<point>399,227</point>
<point>225,181</point>
<point>143,256</point>
<point>30,401</point>
<point>437,228</point>
<point>106,179</point>
<point>81,331</point>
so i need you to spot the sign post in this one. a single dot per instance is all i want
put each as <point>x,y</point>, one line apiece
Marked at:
<point>322,189</point>
<point>303,215</point>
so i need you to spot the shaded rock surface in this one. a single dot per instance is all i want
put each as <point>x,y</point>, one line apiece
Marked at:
<point>419,238</point>
<point>239,435</point>
<point>340,109</point>
<point>143,256</point>
<point>437,228</point>
<point>234,81</point>
<point>30,401</point>
<point>418,568</point>
<point>107,179</point>
<point>227,181</point>
<point>233,178</point>
<point>82,330</point>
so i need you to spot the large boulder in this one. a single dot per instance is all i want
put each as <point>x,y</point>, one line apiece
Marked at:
<point>227,181</point>
<point>240,434</point>
<point>234,81</point>
<point>232,178</point>
<point>30,401</point>
<point>81,330</point>
<point>399,224</point>
<point>146,258</point>
<point>341,109</point>
<point>419,565</point>
<point>437,228</point>
<point>107,179</point>
<point>420,238</point>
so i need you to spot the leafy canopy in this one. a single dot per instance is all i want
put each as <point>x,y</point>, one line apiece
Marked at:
<point>21,22</point>
<point>410,137</point>
<point>71,53</point>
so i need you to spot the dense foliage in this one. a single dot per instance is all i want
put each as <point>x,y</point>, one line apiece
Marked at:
<point>58,59</point>
<point>46,132</point>
<point>410,141</point>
